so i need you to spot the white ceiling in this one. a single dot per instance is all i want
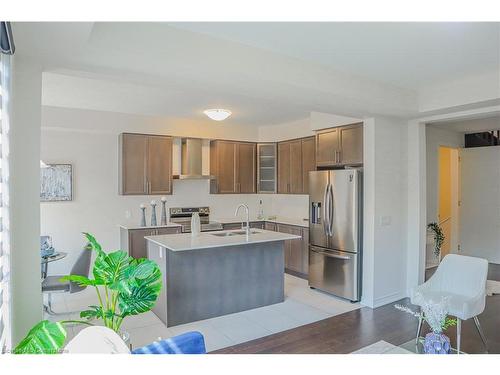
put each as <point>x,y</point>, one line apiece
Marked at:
<point>265,73</point>
<point>407,54</point>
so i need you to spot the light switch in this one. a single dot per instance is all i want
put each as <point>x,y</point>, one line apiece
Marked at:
<point>385,221</point>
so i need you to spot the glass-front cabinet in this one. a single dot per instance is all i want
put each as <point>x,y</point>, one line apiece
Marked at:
<point>266,168</point>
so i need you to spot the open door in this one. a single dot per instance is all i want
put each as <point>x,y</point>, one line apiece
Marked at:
<point>448,198</point>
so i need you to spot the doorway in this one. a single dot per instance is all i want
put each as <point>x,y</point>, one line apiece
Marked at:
<point>449,198</point>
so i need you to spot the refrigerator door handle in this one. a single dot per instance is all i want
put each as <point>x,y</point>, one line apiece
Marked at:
<point>331,209</point>
<point>330,255</point>
<point>325,210</point>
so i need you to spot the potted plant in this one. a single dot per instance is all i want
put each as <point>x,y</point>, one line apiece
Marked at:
<point>436,315</point>
<point>438,237</point>
<point>124,285</point>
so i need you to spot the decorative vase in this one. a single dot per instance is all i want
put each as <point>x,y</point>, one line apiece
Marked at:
<point>163,211</point>
<point>437,343</point>
<point>143,216</point>
<point>153,214</point>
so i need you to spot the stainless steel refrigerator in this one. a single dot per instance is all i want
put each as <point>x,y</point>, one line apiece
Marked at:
<point>335,232</point>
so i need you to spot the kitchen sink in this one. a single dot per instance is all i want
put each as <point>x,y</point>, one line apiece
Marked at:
<point>233,233</point>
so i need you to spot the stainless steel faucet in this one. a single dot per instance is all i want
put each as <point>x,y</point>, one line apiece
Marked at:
<point>247,228</point>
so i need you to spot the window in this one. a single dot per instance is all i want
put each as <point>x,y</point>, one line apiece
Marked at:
<point>4,204</point>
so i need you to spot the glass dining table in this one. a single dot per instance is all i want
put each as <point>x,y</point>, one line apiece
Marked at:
<point>44,261</point>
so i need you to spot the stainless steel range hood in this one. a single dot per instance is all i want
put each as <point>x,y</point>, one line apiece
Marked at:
<point>192,160</point>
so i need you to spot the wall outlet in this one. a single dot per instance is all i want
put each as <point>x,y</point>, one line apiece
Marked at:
<point>128,214</point>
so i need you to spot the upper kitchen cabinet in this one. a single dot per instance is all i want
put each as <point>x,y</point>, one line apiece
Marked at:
<point>308,161</point>
<point>266,168</point>
<point>234,166</point>
<point>295,159</point>
<point>340,146</point>
<point>145,164</point>
<point>290,167</point>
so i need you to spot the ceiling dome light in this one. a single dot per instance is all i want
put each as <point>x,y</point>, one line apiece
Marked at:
<point>217,114</point>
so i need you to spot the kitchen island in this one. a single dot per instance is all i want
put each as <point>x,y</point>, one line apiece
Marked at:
<point>217,273</point>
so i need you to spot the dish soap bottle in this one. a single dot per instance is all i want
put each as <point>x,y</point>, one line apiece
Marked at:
<point>195,224</point>
<point>260,215</point>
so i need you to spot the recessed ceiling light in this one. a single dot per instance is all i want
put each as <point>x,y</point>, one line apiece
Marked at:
<point>217,114</point>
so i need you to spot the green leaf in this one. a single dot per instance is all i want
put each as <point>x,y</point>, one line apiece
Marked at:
<point>80,280</point>
<point>44,338</point>
<point>109,269</point>
<point>139,291</point>
<point>95,313</point>
<point>138,298</point>
<point>95,245</point>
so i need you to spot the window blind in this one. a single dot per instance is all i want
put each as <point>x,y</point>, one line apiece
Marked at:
<point>4,225</point>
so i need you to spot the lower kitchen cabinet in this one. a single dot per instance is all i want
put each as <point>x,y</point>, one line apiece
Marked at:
<point>239,225</point>
<point>296,251</point>
<point>133,242</point>
<point>257,225</point>
<point>270,226</point>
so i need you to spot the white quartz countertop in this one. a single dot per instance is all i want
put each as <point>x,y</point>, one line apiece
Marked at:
<point>131,226</point>
<point>185,241</point>
<point>275,219</point>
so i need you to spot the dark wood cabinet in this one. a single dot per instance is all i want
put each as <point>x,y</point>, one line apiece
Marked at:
<point>283,168</point>
<point>231,226</point>
<point>270,226</point>
<point>296,251</point>
<point>295,159</point>
<point>159,165</point>
<point>351,142</point>
<point>234,166</point>
<point>145,164</point>
<point>257,225</point>
<point>239,225</point>
<point>246,168</point>
<point>308,161</point>
<point>133,241</point>
<point>340,146</point>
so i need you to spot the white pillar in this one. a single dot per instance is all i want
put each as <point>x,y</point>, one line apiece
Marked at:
<point>24,196</point>
<point>368,265</point>
<point>384,232</point>
<point>416,220</point>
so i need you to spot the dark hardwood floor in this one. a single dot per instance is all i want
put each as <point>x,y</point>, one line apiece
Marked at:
<point>355,329</point>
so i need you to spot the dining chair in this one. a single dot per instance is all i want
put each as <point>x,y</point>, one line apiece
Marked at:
<point>462,281</point>
<point>53,284</point>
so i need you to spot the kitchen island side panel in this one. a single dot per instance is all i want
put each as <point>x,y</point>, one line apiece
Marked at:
<point>212,282</point>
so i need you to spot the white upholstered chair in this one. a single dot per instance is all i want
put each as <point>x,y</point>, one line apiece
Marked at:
<point>96,340</point>
<point>462,280</point>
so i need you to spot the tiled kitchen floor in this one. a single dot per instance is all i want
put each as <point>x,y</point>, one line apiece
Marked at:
<point>302,306</point>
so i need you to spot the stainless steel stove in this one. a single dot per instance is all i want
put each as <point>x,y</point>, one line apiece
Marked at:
<point>182,216</point>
